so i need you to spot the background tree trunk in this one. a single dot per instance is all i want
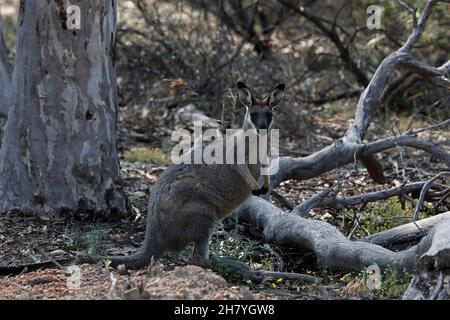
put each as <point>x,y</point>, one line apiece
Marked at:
<point>59,151</point>
<point>5,75</point>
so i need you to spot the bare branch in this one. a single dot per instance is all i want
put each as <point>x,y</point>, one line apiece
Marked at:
<point>424,190</point>
<point>316,201</point>
<point>420,27</point>
<point>408,141</point>
<point>435,76</point>
<point>326,199</point>
<point>341,153</point>
<point>405,234</point>
<point>445,68</point>
<point>412,11</point>
<point>334,37</point>
<point>428,128</point>
<point>433,263</point>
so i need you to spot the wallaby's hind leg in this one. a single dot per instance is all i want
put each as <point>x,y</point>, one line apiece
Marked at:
<point>201,247</point>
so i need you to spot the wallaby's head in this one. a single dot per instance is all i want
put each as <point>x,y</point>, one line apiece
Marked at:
<point>260,112</point>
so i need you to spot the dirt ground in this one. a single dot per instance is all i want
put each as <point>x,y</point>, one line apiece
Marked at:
<point>90,282</point>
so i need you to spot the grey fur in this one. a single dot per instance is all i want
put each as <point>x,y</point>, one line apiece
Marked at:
<point>184,205</point>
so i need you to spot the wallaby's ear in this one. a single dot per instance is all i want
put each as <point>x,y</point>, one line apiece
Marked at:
<point>245,95</point>
<point>276,95</point>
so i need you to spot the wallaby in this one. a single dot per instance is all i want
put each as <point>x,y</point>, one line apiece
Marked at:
<point>188,198</point>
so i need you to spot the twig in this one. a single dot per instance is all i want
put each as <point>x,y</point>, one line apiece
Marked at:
<point>428,128</point>
<point>355,227</point>
<point>306,206</point>
<point>24,268</point>
<point>326,199</point>
<point>56,263</point>
<point>424,190</point>
<point>445,196</point>
<point>411,10</point>
<point>282,199</point>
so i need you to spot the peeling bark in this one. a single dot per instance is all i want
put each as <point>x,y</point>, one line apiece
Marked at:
<point>60,149</point>
<point>5,75</point>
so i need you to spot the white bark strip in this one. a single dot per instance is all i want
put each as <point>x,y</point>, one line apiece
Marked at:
<point>60,150</point>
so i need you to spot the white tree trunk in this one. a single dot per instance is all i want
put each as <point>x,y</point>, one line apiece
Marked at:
<point>5,75</point>
<point>59,151</point>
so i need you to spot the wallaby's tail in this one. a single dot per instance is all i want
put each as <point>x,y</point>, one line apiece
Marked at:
<point>139,259</point>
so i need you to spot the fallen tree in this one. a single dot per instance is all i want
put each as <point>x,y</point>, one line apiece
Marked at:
<point>333,250</point>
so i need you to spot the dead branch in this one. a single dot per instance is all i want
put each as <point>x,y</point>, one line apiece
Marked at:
<point>282,199</point>
<point>332,34</point>
<point>406,234</point>
<point>424,190</point>
<point>327,199</point>
<point>412,11</point>
<point>318,200</point>
<point>19,269</point>
<point>428,128</point>
<point>341,153</point>
<point>436,76</point>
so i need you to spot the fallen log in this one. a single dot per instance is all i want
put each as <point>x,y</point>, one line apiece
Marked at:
<point>407,234</point>
<point>334,251</point>
<point>331,248</point>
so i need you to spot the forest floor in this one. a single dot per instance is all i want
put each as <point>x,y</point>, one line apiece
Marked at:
<point>26,240</point>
